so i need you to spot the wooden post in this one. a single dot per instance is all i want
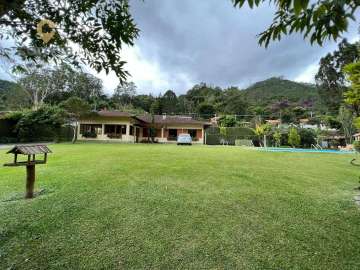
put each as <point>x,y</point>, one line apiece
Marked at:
<point>30,181</point>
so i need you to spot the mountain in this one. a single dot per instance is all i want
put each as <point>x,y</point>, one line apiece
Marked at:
<point>273,90</point>
<point>12,97</point>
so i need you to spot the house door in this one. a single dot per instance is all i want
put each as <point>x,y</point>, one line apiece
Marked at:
<point>137,134</point>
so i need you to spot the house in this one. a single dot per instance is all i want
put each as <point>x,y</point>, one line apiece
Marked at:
<point>356,137</point>
<point>125,127</point>
<point>275,122</point>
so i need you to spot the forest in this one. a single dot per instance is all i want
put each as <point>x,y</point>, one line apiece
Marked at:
<point>334,100</point>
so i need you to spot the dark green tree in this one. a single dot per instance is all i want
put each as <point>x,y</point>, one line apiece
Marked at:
<point>206,111</point>
<point>169,102</point>
<point>331,79</point>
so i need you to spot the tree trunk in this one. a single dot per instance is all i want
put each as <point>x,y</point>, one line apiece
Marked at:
<point>30,181</point>
<point>75,133</point>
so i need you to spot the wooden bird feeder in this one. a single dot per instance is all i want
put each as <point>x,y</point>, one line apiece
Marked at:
<point>31,151</point>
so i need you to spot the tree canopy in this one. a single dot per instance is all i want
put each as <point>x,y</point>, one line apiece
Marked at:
<point>99,28</point>
<point>317,20</point>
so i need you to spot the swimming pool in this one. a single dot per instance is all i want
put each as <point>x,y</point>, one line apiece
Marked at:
<point>301,150</point>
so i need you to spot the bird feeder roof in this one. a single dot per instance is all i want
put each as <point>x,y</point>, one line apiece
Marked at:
<point>29,149</point>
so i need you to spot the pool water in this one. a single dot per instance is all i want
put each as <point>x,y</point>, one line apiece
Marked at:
<point>301,150</point>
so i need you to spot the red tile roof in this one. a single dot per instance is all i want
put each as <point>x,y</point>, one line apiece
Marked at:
<point>159,119</point>
<point>171,119</point>
<point>113,114</point>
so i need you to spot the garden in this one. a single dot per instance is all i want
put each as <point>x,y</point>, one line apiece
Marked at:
<point>117,206</point>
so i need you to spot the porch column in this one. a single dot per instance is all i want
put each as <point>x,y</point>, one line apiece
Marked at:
<point>203,136</point>
<point>162,132</point>
<point>102,130</point>
<point>128,130</point>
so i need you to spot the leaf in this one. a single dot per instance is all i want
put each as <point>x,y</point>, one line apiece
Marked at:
<point>297,7</point>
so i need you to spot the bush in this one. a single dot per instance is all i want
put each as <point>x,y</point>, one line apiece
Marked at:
<point>214,135</point>
<point>294,138</point>
<point>308,137</point>
<point>356,145</point>
<point>244,143</point>
<point>227,121</point>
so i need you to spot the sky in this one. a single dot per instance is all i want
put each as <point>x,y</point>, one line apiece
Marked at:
<point>186,42</point>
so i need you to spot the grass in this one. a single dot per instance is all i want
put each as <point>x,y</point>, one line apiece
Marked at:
<point>110,206</point>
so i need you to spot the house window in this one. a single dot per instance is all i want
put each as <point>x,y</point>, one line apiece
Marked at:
<point>113,131</point>
<point>123,130</point>
<point>84,128</point>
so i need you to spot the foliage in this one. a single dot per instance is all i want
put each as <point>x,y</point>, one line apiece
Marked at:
<point>277,138</point>
<point>356,145</point>
<point>124,94</point>
<point>308,137</point>
<point>36,82</point>
<point>227,121</point>
<point>331,121</point>
<point>42,124</point>
<point>230,135</point>
<point>12,96</point>
<point>331,79</point>
<point>75,106</point>
<point>352,95</point>
<point>169,102</point>
<point>109,26</point>
<point>294,138</point>
<point>346,118</point>
<point>206,111</point>
<point>264,129</point>
<point>53,86</point>
<point>317,20</point>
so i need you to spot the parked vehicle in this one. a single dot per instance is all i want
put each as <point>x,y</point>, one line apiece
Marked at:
<point>184,139</point>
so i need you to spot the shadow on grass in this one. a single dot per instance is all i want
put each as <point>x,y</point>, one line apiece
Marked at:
<point>21,196</point>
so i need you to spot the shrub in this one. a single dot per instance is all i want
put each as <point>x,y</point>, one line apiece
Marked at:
<point>227,121</point>
<point>308,137</point>
<point>244,143</point>
<point>356,145</point>
<point>294,138</point>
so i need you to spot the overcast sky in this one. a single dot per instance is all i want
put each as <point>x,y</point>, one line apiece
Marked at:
<point>186,42</point>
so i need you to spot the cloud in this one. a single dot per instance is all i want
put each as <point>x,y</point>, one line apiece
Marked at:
<point>185,42</point>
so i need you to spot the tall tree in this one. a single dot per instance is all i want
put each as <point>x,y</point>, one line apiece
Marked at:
<point>170,102</point>
<point>352,95</point>
<point>318,20</point>
<point>75,108</point>
<point>331,79</point>
<point>124,94</point>
<point>37,83</point>
<point>99,28</point>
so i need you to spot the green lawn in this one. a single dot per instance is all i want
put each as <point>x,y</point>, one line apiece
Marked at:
<point>113,206</point>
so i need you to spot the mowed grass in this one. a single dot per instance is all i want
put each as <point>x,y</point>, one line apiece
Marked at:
<point>113,206</point>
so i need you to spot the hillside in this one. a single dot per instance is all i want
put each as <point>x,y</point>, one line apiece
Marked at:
<point>12,97</point>
<point>276,89</point>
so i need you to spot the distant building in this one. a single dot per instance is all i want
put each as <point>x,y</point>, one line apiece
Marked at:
<point>275,122</point>
<point>124,127</point>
